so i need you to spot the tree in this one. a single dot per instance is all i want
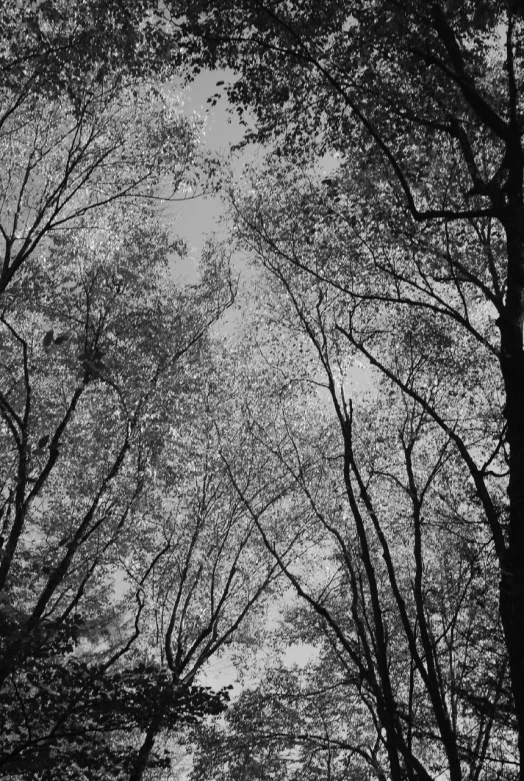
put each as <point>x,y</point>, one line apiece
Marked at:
<point>102,356</point>
<point>210,586</point>
<point>298,723</point>
<point>61,162</point>
<point>403,582</point>
<point>422,104</point>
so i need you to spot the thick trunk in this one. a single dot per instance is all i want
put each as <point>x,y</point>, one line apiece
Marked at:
<point>512,365</point>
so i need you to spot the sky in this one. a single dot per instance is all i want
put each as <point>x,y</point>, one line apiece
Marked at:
<point>196,217</point>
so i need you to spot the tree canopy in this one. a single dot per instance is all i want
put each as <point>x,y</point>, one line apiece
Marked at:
<point>109,500</point>
<point>418,235</point>
<point>162,482</point>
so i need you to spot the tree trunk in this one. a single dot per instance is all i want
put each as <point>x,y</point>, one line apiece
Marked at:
<point>140,763</point>
<point>512,366</point>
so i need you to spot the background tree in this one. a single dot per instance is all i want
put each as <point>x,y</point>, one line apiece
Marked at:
<point>428,100</point>
<point>61,162</point>
<point>404,575</point>
<point>83,413</point>
<point>102,355</point>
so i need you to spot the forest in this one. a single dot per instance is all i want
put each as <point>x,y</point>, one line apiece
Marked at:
<point>306,465</point>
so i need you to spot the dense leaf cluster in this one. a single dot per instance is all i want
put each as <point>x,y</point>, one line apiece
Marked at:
<point>63,715</point>
<point>50,47</point>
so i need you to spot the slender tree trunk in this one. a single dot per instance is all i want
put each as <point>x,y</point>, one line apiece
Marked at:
<point>146,748</point>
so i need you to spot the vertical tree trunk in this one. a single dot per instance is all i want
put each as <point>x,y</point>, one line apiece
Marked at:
<point>140,763</point>
<point>512,366</point>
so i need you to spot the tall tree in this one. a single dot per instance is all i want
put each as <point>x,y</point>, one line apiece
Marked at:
<point>102,355</point>
<point>427,99</point>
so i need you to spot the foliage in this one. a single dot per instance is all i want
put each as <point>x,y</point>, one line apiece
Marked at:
<point>61,162</point>
<point>94,711</point>
<point>101,356</point>
<point>398,520</point>
<point>48,47</point>
<point>402,582</point>
<point>419,230</point>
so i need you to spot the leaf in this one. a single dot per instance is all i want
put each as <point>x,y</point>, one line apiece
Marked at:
<point>48,339</point>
